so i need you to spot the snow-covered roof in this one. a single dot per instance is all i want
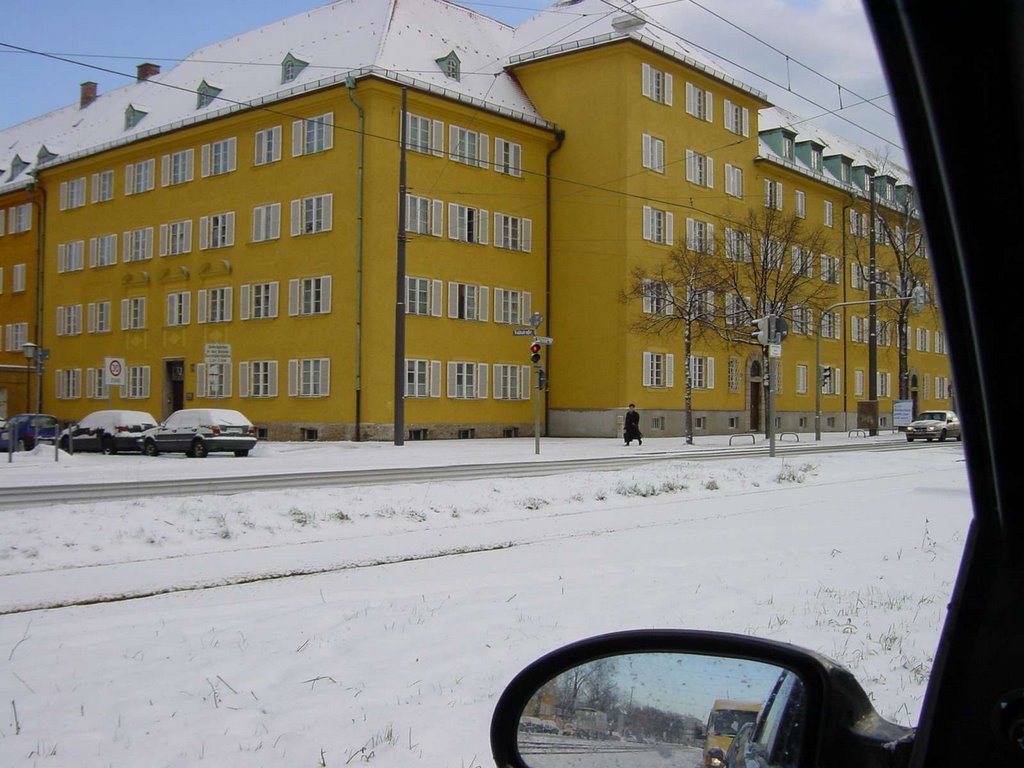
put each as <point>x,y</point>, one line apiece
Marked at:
<point>399,39</point>
<point>570,25</point>
<point>773,118</point>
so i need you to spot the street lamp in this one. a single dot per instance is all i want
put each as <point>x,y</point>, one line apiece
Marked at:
<point>38,355</point>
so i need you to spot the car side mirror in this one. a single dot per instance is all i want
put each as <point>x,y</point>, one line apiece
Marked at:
<point>682,696</point>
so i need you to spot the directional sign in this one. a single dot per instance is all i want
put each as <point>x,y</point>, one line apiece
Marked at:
<point>543,340</point>
<point>113,368</point>
<point>522,331</point>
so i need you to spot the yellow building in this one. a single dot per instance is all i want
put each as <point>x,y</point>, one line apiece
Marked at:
<point>233,234</point>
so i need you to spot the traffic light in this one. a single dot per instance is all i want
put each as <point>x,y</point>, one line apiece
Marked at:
<point>764,330</point>
<point>535,353</point>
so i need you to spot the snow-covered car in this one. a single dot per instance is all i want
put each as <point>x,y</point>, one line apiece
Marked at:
<point>107,431</point>
<point>197,432</point>
<point>934,425</point>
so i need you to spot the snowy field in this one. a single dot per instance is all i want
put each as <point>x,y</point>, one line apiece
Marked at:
<point>421,601</point>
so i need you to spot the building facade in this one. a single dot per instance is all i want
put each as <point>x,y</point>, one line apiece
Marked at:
<point>306,247</point>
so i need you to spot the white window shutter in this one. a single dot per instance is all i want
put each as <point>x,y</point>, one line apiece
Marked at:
<point>481,381</point>
<point>435,297</point>
<point>200,379</point>
<point>837,379</point>
<point>63,195</point>
<point>328,211</point>
<point>244,295</point>
<point>243,379</point>
<point>453,299</point>
<point>691,99</point>
<point>293,378</point>
<point>668,89</point>
<point>228,302</point>
<point>276,133</point>
<point>669,227</point>
<point>163,240</point>
<point>232,153</point>
<point>496,378</point>
<point>435,378</point>
<point>499,305</point>
<point>746,122</point>
<point>452,369</point>
<point>484,148</point>
<point>710,174</point>
<point>165,170</point>
<point>482,308</point>
<point>527,306</point>
<point>647,369</point>
<point>204,160</point>
<point>325,376</point>
<point>204,232</point>
<point>201,305</point>
<point>293,297</point>
<point>298,137</point>
<point>648,215</point>
<point>230,235</point>
<point>527,235</point>
<point>257,224</point>
<point>481,223</point>
<point>190,165</point>
<point>525,382</point>
<point>325,294</point>
<point>499,232</point>
<point>453,221</point>
<point>296,217</point>
<point>670,370</point>
<point>710,372</point>
<point>709,105</point>
<point>272,378</point>
<point>645,80</point>
<point>645,152</point>
<point>437,137</point>
<point>709,245</point>
<point>329,130</point>
<point>437,218</point>
<point>129,178</point>
<point>95,189</point>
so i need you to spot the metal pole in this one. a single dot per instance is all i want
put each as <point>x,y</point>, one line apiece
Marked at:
<point>536,411</point>
<point>873,315</point>
<point>399,394</point>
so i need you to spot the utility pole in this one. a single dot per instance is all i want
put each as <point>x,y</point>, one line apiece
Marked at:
<point>873,313</point>
<point>399,394</point>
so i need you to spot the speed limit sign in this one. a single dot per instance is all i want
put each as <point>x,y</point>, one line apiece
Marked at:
<point>114,369</point>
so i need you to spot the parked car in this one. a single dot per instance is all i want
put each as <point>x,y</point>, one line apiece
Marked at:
<point>107,431</point>
<point>934,425</point>
<point>27,429</point>
<point>200,431</point>
<point>973,709</point>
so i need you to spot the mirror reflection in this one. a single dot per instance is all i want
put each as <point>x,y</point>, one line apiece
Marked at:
<point>654,710</point>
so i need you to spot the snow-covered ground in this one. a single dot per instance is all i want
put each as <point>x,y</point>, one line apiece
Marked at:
<point>421,601</point>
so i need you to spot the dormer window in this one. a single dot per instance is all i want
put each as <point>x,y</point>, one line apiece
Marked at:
<point>816,159</point>
<point>291,67</point>
<point>787,147</point>
<point>451,66</point>
<point>206,93</point>
<point>133,116</point>
<point>845,171</point>
<point>44,155</point>
<point>17,166</point>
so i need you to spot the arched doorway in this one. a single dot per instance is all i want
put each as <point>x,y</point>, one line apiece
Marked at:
<point>754,378</point>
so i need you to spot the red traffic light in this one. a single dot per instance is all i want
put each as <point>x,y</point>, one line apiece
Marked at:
<point>535,352</point>
<point>535,348</point>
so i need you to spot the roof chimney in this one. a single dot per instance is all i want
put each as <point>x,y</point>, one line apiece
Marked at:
<point>146,71</point>
<point>88,94</point>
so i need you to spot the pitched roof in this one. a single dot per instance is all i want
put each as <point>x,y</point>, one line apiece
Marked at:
<point>399,40</point>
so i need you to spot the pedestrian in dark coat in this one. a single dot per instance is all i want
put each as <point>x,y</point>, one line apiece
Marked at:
<point>631,431</point>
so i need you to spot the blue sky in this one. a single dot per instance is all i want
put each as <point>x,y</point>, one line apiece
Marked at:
<point>774,45</point>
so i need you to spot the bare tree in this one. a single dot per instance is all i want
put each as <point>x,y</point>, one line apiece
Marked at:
<point>678,295</point>
<point>898,226</point>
